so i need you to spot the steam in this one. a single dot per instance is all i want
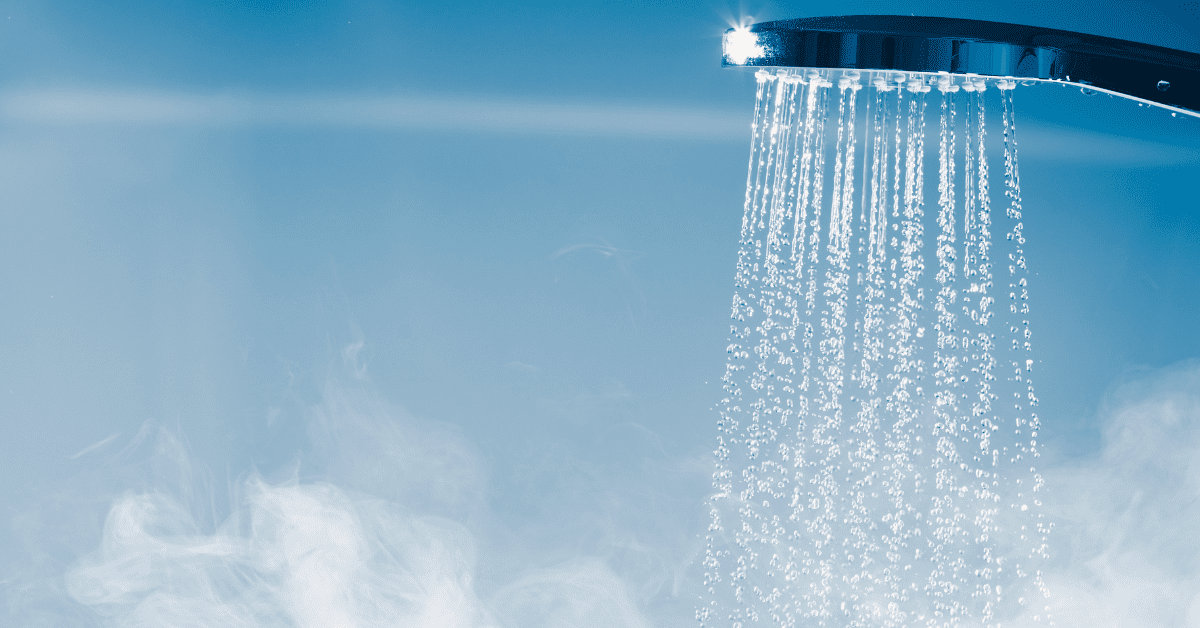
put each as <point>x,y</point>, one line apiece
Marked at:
<point>370,525</point>
<point>306,555</point>
<point>379,520</point>
<point>1128,552</point>
<point>583,593</point>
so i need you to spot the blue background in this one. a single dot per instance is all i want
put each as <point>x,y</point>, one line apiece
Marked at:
<point>554,294</point>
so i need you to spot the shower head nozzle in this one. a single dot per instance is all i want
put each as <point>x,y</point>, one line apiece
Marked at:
<point>936,45</point>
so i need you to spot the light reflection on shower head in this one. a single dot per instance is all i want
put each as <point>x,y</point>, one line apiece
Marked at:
<point>741,45</point>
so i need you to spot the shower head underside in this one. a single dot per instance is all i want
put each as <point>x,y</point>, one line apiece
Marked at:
<point>951,51</point>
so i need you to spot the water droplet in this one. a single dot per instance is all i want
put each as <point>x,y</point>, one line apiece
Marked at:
<point>1087,92</point>
<point>1164,86</point>
<point>797,296</point>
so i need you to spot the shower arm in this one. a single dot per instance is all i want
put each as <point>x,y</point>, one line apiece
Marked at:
<point>977,49</point>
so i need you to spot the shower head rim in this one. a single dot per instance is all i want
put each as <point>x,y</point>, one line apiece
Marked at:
<point>991,50</point>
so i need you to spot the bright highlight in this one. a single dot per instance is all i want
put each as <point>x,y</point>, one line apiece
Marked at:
<point>741,45</point>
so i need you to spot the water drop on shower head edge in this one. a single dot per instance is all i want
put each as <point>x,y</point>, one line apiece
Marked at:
<point>933,45</point>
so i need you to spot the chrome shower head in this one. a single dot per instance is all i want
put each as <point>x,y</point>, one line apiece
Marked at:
<point>972,48</point>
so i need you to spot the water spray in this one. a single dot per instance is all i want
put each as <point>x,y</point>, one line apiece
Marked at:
<point>877,450</point>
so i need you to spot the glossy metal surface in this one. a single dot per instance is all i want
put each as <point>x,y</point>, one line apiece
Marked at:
<point>1151,74</point>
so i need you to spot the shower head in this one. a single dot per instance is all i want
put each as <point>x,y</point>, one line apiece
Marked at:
<point>972,48</point>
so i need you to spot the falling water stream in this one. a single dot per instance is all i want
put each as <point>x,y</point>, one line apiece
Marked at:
<point>878,431</point>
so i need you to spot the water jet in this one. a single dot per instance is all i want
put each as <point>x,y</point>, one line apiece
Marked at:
<point>877,439</point>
